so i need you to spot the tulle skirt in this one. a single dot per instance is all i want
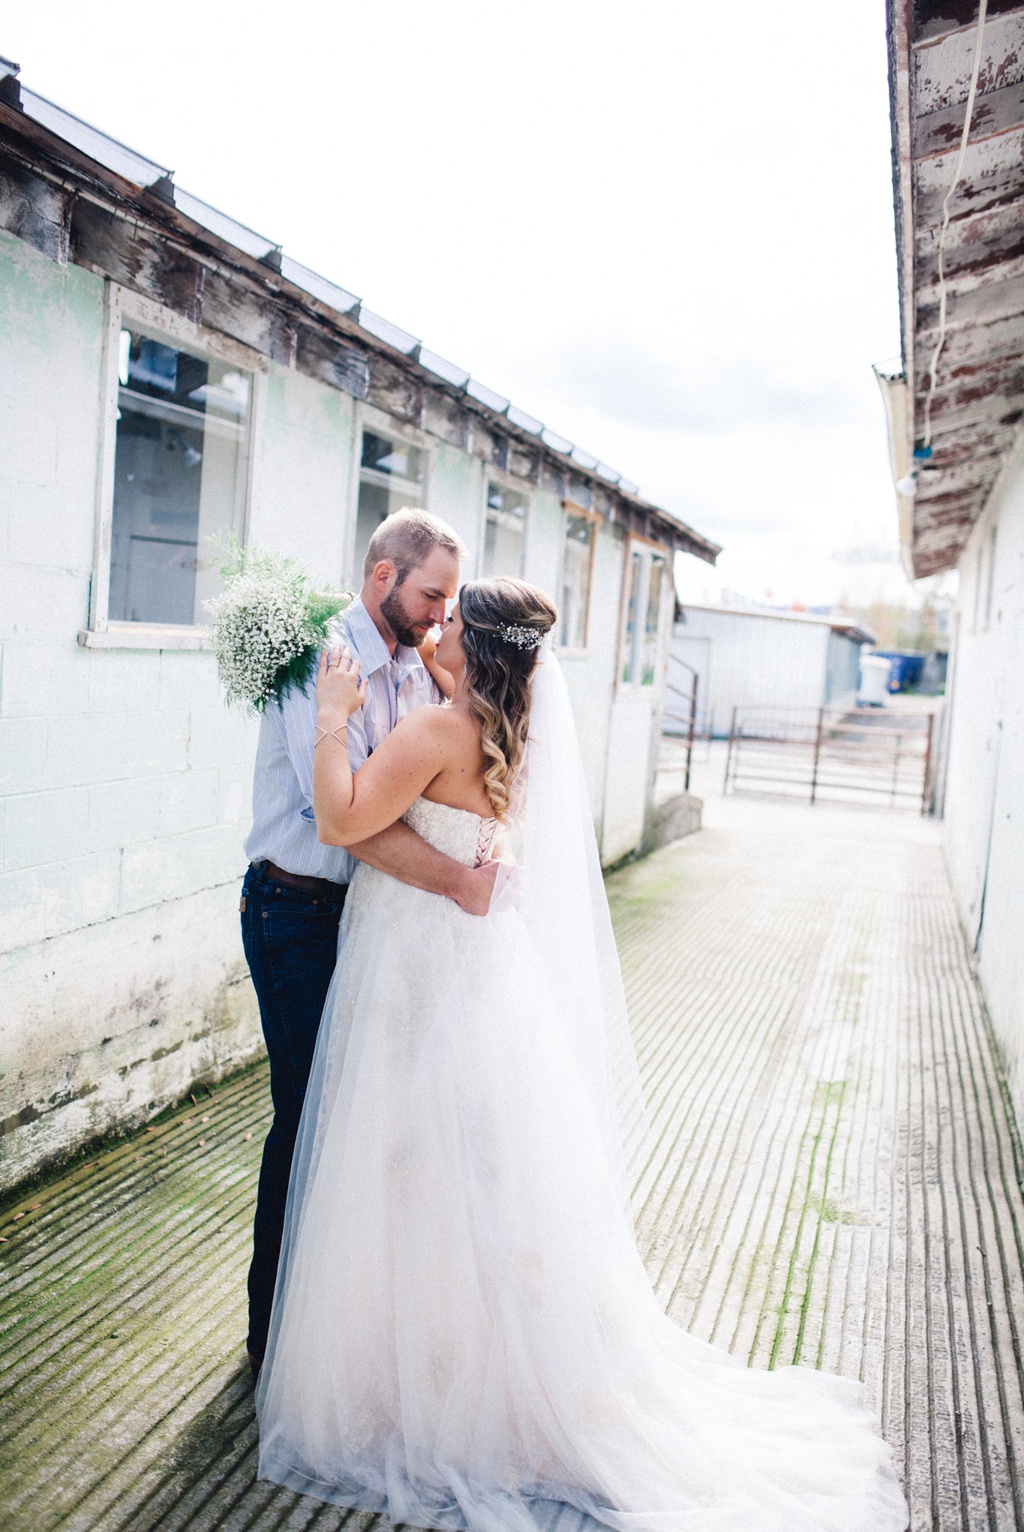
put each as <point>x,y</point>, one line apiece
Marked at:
<point>464,1334</point>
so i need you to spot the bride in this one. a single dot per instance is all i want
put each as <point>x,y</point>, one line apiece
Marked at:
<point>463,1335</point>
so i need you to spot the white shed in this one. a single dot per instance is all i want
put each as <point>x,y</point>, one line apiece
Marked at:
<point>749,657</point>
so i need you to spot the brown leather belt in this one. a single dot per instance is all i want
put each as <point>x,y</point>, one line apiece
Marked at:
<point>322,886</point>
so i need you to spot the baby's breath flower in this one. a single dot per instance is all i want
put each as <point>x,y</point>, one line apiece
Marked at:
<point>268,626</point>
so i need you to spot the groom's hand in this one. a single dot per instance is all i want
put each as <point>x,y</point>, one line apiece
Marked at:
<point>474,890</point>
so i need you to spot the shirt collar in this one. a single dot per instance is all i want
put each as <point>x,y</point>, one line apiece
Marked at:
<point>371,648</point>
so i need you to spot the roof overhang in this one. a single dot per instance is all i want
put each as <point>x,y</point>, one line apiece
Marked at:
<point>844,627</point>
<point>51,163</point>
<point>955,406</point>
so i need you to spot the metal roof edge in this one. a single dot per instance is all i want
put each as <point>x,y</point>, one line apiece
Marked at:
<point>855,630</point>
<point>813,619</point>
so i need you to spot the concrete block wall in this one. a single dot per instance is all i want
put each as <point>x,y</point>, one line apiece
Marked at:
<point>121,831</point>
<point>124,782</point>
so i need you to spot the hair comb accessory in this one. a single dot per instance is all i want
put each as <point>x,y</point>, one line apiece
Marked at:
<point>522,637</point>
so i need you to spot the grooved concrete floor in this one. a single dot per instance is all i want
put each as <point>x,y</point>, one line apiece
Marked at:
<point>832,1178</point>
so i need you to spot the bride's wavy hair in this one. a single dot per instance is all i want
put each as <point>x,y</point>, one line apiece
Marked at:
<point>503,623</point>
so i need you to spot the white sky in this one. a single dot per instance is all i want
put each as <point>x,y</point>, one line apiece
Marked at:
<point>663,228</point>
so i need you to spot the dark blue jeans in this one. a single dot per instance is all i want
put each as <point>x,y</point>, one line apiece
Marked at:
<point>291,940</point>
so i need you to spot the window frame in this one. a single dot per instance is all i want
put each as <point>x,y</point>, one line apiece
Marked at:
<point>122,306</point>
<point>379,423</point>
<point>649,550</point>
<point>515,486</point>
<point>578,513</point>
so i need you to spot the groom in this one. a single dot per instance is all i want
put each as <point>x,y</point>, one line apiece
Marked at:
<point>295,887</point>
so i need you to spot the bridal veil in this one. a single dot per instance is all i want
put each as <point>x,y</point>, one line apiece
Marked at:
<point>557,887</point>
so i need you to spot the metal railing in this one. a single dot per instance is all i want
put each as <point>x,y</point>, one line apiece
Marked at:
<point>839,753</point>
<point>684,712</point>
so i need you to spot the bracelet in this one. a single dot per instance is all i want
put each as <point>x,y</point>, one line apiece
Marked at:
<point>331,734</point>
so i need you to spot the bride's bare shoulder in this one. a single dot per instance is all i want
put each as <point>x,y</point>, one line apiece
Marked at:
<point>451,729</point>
<point>444,725</point>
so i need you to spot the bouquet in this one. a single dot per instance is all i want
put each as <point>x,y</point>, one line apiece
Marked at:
<point>269,626</point>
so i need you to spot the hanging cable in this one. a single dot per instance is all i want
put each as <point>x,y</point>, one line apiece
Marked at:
<point>958,169</point>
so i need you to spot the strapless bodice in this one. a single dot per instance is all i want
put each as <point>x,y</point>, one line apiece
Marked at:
<point>464,836</point>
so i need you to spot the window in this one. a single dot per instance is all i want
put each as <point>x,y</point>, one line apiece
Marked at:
<point>641,631</point>
<point>390,478</point>
<point>652,622</point>
<point>577,567</point>
<point>504,531</point>
<point>179,476</point>
<point>636,569</point>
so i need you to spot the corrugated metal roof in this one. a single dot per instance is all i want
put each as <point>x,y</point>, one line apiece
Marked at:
<point>228,229</point>
<point>456,376</point>
<point>318,287</point>
<point>555,442</point>
<point>524,421</point>
<point>484,395</point>
<point>136,168</point>
<point>390,334</point>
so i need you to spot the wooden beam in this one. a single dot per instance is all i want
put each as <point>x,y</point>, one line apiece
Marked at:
<point>980,305</point>
<point>1001,111</point>
<point>34,210</point>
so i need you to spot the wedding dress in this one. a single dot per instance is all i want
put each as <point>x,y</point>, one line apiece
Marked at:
<point>464,1336</point>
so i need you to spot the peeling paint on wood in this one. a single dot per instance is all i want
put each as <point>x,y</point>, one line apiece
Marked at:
<point>33,210</point>
<point>977,399</point>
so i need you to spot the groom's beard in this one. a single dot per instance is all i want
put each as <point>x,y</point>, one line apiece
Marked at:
<point>393,611</point>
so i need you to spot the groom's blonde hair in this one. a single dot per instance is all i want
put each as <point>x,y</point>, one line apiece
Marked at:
<point>408,538</point>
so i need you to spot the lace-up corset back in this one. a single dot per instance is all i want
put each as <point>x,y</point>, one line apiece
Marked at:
<point>460,834</point>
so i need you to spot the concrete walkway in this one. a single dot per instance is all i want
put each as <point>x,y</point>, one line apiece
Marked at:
<point>832,1179</point>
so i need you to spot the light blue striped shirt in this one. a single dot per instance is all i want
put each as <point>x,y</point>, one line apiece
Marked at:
<point>283,827</point>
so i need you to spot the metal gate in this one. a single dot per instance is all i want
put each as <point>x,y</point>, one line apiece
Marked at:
<point>839,754</point>
<point>680,709</point>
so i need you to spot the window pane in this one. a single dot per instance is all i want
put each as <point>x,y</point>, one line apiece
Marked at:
<point>506,502</point>
<point>503,548</point>
<point>504,531</point>
<point>575,601</point>
<point>649,663</point>
<point>390,478</point>
<point>394,458</point>
<point>376,503</point>
<point>179,478</point>
<point>629,645</point>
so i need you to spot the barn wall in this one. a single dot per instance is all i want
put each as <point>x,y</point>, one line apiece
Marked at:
<point>984,821</point>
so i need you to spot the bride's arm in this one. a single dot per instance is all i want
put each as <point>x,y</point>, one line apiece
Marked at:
<point>443,679</point>
<point>404,855</point>
<point>352,807</point>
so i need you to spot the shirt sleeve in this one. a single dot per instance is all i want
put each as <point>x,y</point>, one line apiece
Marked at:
<point>298,724</point>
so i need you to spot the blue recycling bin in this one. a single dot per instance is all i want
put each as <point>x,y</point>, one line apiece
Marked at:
<point>905,668</point>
